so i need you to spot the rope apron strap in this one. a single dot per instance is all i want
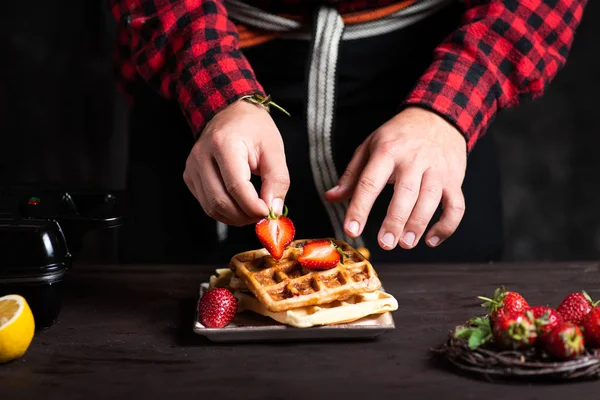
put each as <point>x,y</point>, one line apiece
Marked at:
<point>327,34</point>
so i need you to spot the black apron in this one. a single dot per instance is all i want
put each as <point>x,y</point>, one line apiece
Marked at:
<point>374,75</point>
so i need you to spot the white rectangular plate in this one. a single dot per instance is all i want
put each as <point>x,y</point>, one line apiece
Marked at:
<point>251,327</point>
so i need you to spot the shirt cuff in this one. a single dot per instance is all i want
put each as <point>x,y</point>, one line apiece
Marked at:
<point>459,91</point>
<point>213,83</point>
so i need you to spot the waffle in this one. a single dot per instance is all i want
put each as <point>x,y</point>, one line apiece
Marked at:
<point>340,311</point>
<point>354,308</point>
<point>225,278</point>
<point>281,285</point>
<point>221,279</point>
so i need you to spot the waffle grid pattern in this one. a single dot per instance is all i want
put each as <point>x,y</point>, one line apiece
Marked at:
<point>284,284</point>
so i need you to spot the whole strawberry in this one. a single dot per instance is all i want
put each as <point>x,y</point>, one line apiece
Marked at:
<point>275,233</point>
<point>217,308</point>
<point>545,319</point>
<point>591,327</point>
<point>504,301</point>
<point>565,341</point>
<point>514,331</point>
<point>575,306</point>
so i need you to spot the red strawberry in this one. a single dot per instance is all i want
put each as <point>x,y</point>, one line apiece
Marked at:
<point>565,341</point>
<point>591,327</point>
<point>514,330</point>
<point>320,254</point>
<point>545,319</point>
<point>575,306</point>
<point>217,308</point>
<point>497,314</point>
<point>275,233</point>
<point>511,302</point>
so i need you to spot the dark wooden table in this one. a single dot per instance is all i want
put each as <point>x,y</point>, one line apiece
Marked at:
<point>126,331</point>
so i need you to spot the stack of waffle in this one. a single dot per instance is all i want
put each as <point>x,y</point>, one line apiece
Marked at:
<point>290,294</point>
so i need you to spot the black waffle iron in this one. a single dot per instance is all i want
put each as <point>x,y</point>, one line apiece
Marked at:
<point>41,234</point>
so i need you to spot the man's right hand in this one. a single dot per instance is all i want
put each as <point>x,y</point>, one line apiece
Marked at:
<point>239,141</point>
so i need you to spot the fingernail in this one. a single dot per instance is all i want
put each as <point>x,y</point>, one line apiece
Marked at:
<point>334,189</point>
<point>388,239</point>
<point>353,227</point>
<point>277,205</point>
<point>409,238</point>
<point>434,241</point>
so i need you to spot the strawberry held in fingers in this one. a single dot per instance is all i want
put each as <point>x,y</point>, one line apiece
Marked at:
<point>565,341</point>
<point>575,306</point>
<point>545,319</point>
<point>275,233</point>
<point>504,301</point>
<point>514,330</point>
<point>320,254</point>
<point>591,327</point>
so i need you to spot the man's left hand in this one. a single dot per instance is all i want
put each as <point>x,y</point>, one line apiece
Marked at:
<point>425,158</point>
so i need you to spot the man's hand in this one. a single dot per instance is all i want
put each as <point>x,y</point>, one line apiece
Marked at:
<point>425,158</point>
<point>239,141</point>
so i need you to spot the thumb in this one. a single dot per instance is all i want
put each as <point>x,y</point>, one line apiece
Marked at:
<point>275,177</point>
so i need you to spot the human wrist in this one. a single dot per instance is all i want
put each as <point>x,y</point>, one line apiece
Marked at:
<point>439,128</point>
<point>263,101</point>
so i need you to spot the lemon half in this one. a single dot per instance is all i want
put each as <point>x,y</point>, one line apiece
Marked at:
<point>17,327</point>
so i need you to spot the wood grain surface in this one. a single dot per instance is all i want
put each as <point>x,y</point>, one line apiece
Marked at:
<point>126,332</point>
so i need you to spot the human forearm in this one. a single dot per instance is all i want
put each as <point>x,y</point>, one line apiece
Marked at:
<point>187,51</point>
<point>503,52</point>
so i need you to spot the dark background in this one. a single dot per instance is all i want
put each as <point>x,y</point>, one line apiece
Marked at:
<point>64,123</point>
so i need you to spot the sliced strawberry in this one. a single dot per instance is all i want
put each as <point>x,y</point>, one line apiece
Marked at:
<point>275,233</point>
<point>320,254</point>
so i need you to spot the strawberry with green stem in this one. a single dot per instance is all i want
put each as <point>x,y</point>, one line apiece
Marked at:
<point>576,306</point>
<point>504,301</point>
<point>515,331</point>
<point>275,232</point>
<point>545,319</point>
<point>565,341</point>
<point>321,254</point>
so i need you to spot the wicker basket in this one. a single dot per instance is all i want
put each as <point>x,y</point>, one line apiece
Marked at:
<point>492,363</point>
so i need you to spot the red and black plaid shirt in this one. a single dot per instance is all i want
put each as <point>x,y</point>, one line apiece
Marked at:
<point>504,51</point>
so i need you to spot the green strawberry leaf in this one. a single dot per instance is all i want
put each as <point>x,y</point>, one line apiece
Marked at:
<point>481,322</point>
<point>475,339</point>
<point>542,321</point>
<point>339,250</point>
<point>589,298</point>
<point>496,302</point>
<point>478,333</point>
<point>463,332</point>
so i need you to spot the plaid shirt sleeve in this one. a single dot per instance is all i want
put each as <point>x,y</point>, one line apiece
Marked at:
<point>505,51</point>
<point>188,51</point>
